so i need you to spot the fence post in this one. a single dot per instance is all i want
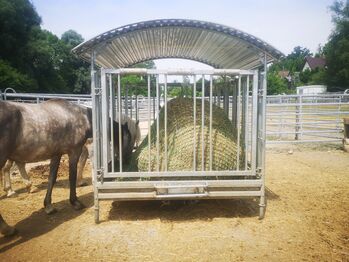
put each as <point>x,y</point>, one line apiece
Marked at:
<point>346,134</point>
<point>299,129</point>
<point>136,107</point>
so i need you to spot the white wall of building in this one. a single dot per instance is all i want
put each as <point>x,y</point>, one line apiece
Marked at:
<point>311,90</point>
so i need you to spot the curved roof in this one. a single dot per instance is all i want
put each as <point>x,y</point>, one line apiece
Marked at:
<point>213,44</point>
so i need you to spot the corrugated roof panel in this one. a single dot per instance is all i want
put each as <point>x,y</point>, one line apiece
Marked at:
<point>216,45</point>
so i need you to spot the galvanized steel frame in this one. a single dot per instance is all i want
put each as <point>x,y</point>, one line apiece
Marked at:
<point>246,181</point>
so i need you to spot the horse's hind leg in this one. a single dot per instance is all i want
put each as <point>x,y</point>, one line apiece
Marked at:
<point>25,177</point>
<point>54,164</point>
<point>5,229</point>
<point>7,179</point>
<point>81,165</point>
<point>73,162</point>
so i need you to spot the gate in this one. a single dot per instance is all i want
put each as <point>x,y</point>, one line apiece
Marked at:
<point>113,180</point>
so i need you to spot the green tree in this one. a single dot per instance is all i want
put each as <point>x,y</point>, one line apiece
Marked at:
<point>293,62</point>
<point>72,38</point>
<point>276,85</point>
<point>74,70</point>
<point>11,77</point>
<point>136,84</point>
<point>35,60</point>
<point>337,48</point>
<point>18,18</point>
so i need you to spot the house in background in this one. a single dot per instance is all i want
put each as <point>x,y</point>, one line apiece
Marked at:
<point>312,63</point>
<point>311,90</point>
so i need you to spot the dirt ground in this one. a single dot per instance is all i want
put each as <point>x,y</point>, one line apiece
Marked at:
<point>307,219</point>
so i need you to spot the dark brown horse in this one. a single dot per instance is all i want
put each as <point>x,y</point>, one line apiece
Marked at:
<point>32,133</point>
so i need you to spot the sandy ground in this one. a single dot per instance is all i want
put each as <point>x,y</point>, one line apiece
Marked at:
<point>307,219</point>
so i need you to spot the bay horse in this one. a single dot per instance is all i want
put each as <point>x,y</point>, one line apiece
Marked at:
<point>37,132</point>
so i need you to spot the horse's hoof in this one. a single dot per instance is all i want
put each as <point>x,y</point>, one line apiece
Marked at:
<point>11,193</point>
<point>77,205</point>
<point>82,183</point>
<point>50,210</point>
<point>8,231</point>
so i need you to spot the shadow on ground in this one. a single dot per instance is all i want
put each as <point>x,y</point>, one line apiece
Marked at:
<point>38,223</point>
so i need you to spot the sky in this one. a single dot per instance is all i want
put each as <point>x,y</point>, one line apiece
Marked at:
<point>281,23</point>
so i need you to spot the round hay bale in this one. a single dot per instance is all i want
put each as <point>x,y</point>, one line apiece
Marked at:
<point>180,139</point>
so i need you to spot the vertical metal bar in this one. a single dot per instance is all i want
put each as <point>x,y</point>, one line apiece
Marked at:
<point>154,106</point>
<point>233,105</point>
<point>246,125</point>
<point>238,123</point>
<point>95,124</point>
<point>264,98</point>
<point>165,108</point>
<point>120,122</point>
<point>194,131</point>
<point>136,107</point>
<point>149,126</point>
<point>254,121</point>
<point>297,118</point>
<point>126,101</point>
<point>203,124</point>
<point>112,118</point>
<point>301,116</point>
<point>211,143</point>
<point>117,104</point>
<point>131,108</point>
<point>105,113</point>
<point>157,124</point>
<point>226,97</point>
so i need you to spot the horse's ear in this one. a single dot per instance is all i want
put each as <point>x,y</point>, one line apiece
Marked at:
<point>137,122</point>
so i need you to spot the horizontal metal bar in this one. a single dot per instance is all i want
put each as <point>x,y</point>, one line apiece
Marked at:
<point>177,174</point>
<point>302,141</point>
<point>151,184</point>
<point>199,195</point>
<point>320,122</point>
<point>153,195</point>
<point>35,95</point>
<point>304,132</point>
<point>311,114</point>
<point>144,71</point>
<point>306,104</point>
<point>308,95</point>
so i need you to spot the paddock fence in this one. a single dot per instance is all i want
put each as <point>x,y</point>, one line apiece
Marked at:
<point>290,118</point>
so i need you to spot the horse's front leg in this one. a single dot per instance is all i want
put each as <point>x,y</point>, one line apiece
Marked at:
<point>54,164</point>
<point>73,163</point>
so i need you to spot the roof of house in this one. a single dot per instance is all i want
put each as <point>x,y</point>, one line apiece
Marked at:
<point>315,62</point>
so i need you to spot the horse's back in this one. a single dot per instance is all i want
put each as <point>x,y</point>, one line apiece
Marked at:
<point>50,128</point>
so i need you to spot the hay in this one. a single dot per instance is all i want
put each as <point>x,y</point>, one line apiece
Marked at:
<point>180,133</point>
